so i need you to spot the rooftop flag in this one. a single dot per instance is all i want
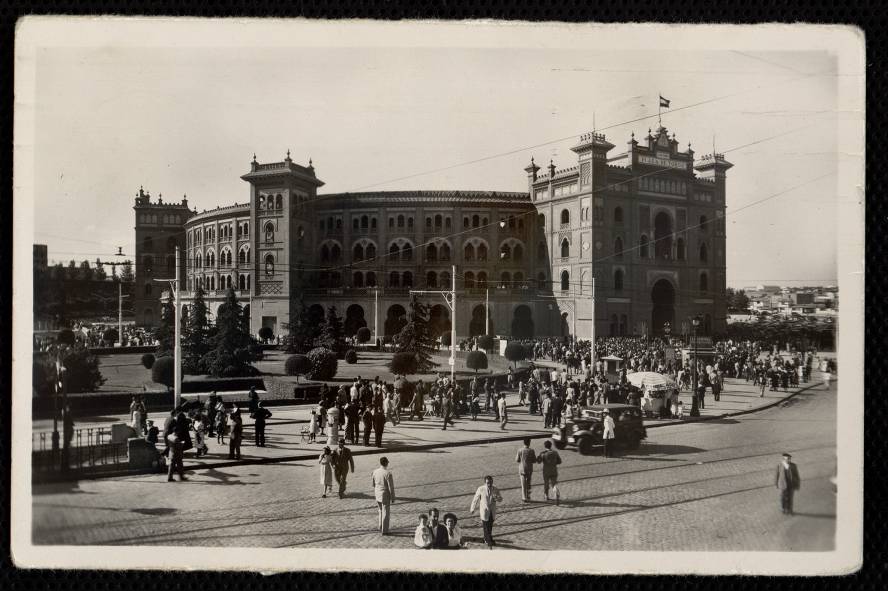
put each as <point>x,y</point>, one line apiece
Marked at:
<point>664,102</point>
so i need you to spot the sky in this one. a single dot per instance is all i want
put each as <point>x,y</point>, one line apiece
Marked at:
<point>187,120</point>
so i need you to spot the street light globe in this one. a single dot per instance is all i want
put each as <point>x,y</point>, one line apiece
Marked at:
<point>695,321</point>
<point>502,223</point>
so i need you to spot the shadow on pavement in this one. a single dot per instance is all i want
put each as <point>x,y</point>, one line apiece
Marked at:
<point>155,511</point>
<point>648,449</point>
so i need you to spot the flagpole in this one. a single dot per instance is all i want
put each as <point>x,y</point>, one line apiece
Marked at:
<point>659,110</point>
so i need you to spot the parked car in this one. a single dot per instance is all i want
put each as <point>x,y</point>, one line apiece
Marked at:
<point>585,431</point>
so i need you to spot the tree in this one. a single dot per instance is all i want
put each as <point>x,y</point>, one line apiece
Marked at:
<point>164,333</point>
<point>163,371</point>
<point>363,334</point>
<point>266,334</point>
<point>100,274</point>
<point>332,334</point>
<point>196,340</point>
<point>445,339</point>
<point>476,360</point>
<point>230,347</point>
<point>302,333</point>
<point>323,364</point>
<point>126,272</point>
<point>737,300</point>
<point>485,342</point>
<point>403,364</point>
<point>416,338</point>
<point>86,272</point>
<point>515,352</point>
<point>81,370</point>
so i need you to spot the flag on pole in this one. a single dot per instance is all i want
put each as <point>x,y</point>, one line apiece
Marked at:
<point>664,102</point>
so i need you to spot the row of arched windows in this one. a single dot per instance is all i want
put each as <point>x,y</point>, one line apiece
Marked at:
<point>360,252</point>
<point>225,258</point>
<point>438,253</point>
<point>400,221</point>
<point>271,202</point>
<point>364,223</point>
<point>619,275</point>
<point>440,222</point>
<point>166,218</point>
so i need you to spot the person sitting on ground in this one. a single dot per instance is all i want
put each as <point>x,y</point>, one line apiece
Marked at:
<point>422,536</point>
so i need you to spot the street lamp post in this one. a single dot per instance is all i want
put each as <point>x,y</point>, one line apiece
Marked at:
<point>177,332</point>
<point>695,404</point>
<point>450,300</point>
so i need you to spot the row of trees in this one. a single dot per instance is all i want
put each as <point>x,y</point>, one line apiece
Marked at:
<point>81,368</point>
<point>802,331</point>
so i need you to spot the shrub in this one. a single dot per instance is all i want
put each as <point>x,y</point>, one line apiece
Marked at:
<point>403,363</point>
<point>110,335</point>
<point>147,360</point>
<point>162,371</point>
<point>351,357</point>
<point>323,364</point>
<point>476,360</point>
<point>445,339</point>
<point>363,335</point>
<point>515,352</point>
<point>266,334</point>
<point>485,342</point>
<point>65,337</point>
<point>82,370</point>
<point>297,365</point>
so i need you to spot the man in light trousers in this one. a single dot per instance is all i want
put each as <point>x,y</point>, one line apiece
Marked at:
<point>384,491</point>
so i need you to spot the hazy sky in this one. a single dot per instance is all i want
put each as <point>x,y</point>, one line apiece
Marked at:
<point>186,120</point>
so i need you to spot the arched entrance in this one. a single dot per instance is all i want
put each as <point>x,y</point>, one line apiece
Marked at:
<point>354,319</point>
<point>522,323</point>
<point>663,236</point>
<point>439,320</point>
<point>663,298</point>
<point>565,326</point>
<point>477,326</point>
<point>395,319</point>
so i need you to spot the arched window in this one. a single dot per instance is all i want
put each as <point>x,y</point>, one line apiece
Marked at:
<point>338,227</point>
<point>394,279</point>
<point>482,252</point>
<point>365,221</point>
<point>354,223</point>
<point>358,279</point>
<point>448,224</point>
<point>371,279</point>
<point>565,281</point>
<point>246,228</point>
<point>505,252</point>
<point>704,282</point>
<point>469,253</point>
<point>469,280</point>
<point>618,215</point>
<point>482,280</point>
<point>703,223</point>
<point>618,247</point>
<point>518,253</point>
<point>505,279</point>
<point>148,264</point>
<point>680,249</point>
<point>444,252</point>
<point>269,232</point>
<point>358,253</point>
<point>409,223</point>
<point>198,261</point>
<point>438,221</point>
<point>242,282</point>
<point>618,280</point>
<point>565,217</point>
<point>269,265</point>
<point>565,248</point>
<point>148,243</point>
<point>465,222</point>
<point>431,253</point>
<point>148,289</point>
<point>391,223</point>
<point>400,221</point>
<point>325,253</point>
<point>373,223</point>
<point>431,279</point>
<point>624,325</point>
<point>429,223</point>
<point>643,251</point>
<point>370,252</point>
<point>407,252</point>
<point>393,252</point>
<point>518,279</point>
<point>704,254</point>
<point>407,279</point>
<point>335,253</point>
<point>475,221</point>
<point>541,280</point>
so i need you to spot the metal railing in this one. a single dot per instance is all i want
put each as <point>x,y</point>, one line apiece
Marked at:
<point>90,449</point>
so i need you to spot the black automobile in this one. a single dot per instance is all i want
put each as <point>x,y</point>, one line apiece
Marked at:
<point>586,430</point>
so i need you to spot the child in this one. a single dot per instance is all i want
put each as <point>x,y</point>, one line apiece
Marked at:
<point>313,427</point>
<point>221,420</point>
<point>200,431</point>
<point>422,537</point>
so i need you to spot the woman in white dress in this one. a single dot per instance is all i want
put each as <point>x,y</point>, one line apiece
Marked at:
<point>326,463</point>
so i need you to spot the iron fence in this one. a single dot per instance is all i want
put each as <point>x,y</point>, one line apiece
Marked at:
<point>90,449</point>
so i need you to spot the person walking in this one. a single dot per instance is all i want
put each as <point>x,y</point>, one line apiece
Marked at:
<point>367,419</point>
<point>325,460</point>
<point>547,410</point>
<point>378,425</point>
<point>259,417</point>
<point>787,481</point>
<point>503,411</point>
<point>235,434</point>
<point>485,500</point>
<point>447,411</point>
<point>525,458</point>
<point>342,463</point>
<point>384,491</point>
<point>176,438</point>
<point>607,434</point>
<point>550,460</point>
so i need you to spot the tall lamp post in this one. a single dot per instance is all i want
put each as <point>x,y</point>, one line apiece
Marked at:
<point>695,405</point>
<point>177,346</point>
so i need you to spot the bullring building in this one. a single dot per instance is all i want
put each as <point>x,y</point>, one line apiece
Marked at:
<point>647,224</point>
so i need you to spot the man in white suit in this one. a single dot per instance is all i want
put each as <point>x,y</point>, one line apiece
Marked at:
<point>486,498</point>
<point>384,490</point>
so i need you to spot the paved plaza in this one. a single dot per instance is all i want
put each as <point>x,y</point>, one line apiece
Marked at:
<point>704,485</point>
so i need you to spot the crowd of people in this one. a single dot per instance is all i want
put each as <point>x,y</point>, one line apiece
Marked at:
<point>93,335</point>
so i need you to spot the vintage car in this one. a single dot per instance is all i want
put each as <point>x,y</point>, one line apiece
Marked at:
<point>586,430</point>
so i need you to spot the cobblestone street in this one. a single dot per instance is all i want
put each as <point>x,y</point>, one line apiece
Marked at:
<point>698,486</point>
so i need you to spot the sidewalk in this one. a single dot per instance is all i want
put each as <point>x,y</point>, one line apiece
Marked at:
<point>284,440</point>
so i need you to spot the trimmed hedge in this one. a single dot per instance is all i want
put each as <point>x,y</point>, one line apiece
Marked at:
<point>323,364</point>
<point>351,357</point>
<point>163,371</point>
<point>364,335</point>
<point>485,342</point>
<point>148,360</point>
<point>297,365</point>
<point>403,363</point>
<point>476,360</point>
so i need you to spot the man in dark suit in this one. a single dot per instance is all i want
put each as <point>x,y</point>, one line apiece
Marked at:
<point>787,482</point>
<point>440,537</point>
<point>342,462</point>
<point>525,459</point>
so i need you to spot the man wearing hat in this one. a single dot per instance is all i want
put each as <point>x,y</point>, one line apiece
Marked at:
<point>607,435</point>
<point>342,461</point>
<point>787,482</point>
